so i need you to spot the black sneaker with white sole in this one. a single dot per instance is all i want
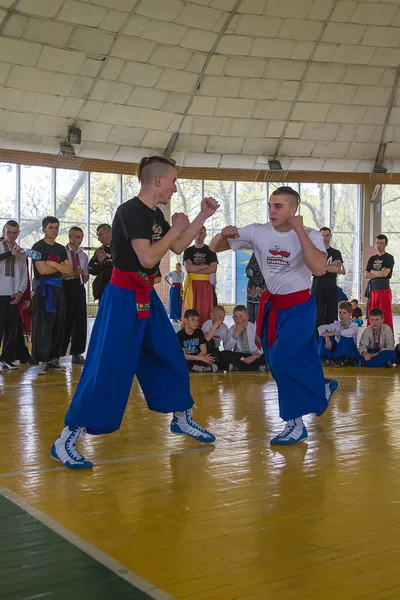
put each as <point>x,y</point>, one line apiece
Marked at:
<point>9,365</point>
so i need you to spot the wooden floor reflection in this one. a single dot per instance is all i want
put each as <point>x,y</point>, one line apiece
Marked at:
<point>234,521</point>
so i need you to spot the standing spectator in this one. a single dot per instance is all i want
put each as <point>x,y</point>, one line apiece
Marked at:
<point>379,271</point>
<point>199,262</point>
<point>175,280</point>
<point>75,327</point>
<point>213,281</point>
<point>48,303</point>
<point>13,283</point>
<point>324,288</point>
<point>256,286</point>
<point>101,264</point>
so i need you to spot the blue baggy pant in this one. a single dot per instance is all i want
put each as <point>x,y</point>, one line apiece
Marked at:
<point>380,358</point>
<point>343,349</point>
<point>120,347</point>
<point>175,303</point>
<point>294,362</point>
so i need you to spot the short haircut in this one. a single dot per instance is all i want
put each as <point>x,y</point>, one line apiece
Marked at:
<point>240,308</point>
<point>178,265</point>
<point>151,167</point>
<point>11,223</point>
<point>47,220</point>
<point>76,228</point>
<point>325,229</point>
<point>218,307</point>
<point>203,227</point>
<point>355,300</point>
<point>376,312</point>
<point>103,226</point>
<point>382,237</point>
<point>190,312</point>
<point>346,305</point>
<point>286,190</point>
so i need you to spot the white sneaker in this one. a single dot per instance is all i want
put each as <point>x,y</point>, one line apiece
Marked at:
<point>294,432</point>
<point>183,424</point>
<point>64,449</point>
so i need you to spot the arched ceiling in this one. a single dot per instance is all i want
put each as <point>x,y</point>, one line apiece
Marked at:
<point>219,83</point>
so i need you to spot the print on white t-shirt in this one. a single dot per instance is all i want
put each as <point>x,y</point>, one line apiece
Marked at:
<point>279,255</point>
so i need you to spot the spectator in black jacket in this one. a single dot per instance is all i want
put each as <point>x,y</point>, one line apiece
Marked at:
<point>101,264</point>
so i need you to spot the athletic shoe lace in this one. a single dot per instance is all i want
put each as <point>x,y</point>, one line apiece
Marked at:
<point>290,425</point>
<point>192,423</point>
<point>72,441</point>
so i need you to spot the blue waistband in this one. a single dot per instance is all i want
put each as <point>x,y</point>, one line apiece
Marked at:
<point>45,288</point>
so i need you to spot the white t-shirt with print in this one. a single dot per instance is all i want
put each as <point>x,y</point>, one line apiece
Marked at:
<point>279,255</point>
<point>219,335</point>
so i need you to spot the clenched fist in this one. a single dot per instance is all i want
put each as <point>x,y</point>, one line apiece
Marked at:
<point>208,207</point>
<point>230,232</point>
<point>180,222</point>
<point>297,223</point>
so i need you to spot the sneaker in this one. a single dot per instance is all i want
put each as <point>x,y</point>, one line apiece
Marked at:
<point>338,363</point>
<point>331,387</point>
<point>64,449</point>
<point>54,365</point>
<point>388,364</point>
<point>9,365</point>
<point>263,368</point>
<point>294,433</point>
<point>28,361</point>
<point>326,362</point>
<point>183,424</point>
<point>44,368</point>
<point>77,359</point>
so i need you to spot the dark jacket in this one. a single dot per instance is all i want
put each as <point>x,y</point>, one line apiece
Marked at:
<point>102,272</point>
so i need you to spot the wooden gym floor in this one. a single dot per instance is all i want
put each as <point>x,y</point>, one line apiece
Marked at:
<point>238,521</point>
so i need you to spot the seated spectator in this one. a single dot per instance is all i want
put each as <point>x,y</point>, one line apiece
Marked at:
<point>356,314</point>
<point>241,352</point>
<point>194,346</point>
<point>215,332</point>
<point>377,342</point>
<point>338,340</point>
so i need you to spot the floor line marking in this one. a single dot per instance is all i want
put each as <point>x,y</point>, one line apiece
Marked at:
<point>223,446</point>
<point>98,555</point>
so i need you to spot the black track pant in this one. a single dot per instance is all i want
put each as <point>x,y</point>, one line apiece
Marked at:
<point>327,299</point>
<point>47,327</point>
<point>75,327</point>
<point>9,316</point>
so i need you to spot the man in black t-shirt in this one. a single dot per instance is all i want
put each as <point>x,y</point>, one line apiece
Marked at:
<point>199,262</point>
<point>48,303</point>
<point>132,321</point>
<point>324,288</point>
<point>194,344</point>
<point>101,265</point>
<point>378,272</point>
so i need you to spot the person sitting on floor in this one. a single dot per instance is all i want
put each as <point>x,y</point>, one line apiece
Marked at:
<point>241,352</point>
<point>338,340</point>
<point>194,346</point>
<point>356,314</point>
<point>377,342</point>
<point>215,332</point>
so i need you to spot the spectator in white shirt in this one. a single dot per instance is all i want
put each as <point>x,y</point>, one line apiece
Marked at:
<point>241,352</point>
<point>215,332</point>
<point>13,282</point>
<point>75,326</point>
<point>337,344</point>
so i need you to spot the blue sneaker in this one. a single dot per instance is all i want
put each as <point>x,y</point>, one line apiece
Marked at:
<point>64,449</point>
<point>183,424</point>
<point>294,433</point>
<point>331,387</point>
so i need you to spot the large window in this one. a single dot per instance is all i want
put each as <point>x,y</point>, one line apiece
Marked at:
<point>71,202</point>
<point>104,201</point>
<point>36,202</point>
<point>391,228</point>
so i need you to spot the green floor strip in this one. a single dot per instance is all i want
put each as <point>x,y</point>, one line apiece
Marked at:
<point>36,562</point>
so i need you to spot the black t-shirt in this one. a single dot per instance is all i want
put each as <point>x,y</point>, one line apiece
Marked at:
<point>134,220</point>
<point>331,255</point>
<point>191,343</point>
<point>200,256</point>
<point>378,263</point>
<point>55,252</point>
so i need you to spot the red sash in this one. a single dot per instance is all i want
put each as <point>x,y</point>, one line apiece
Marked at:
<point>177,285</point>
<point>140,283</point>
<point>278,301</point>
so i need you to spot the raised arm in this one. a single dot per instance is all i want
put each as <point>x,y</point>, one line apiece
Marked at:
<point>315,259</point>
<point>208,208</point>
<point>150,254</point>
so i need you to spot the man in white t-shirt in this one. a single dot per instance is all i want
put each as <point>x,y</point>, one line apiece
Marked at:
<point>287,253</point>
<point>215,332</point>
